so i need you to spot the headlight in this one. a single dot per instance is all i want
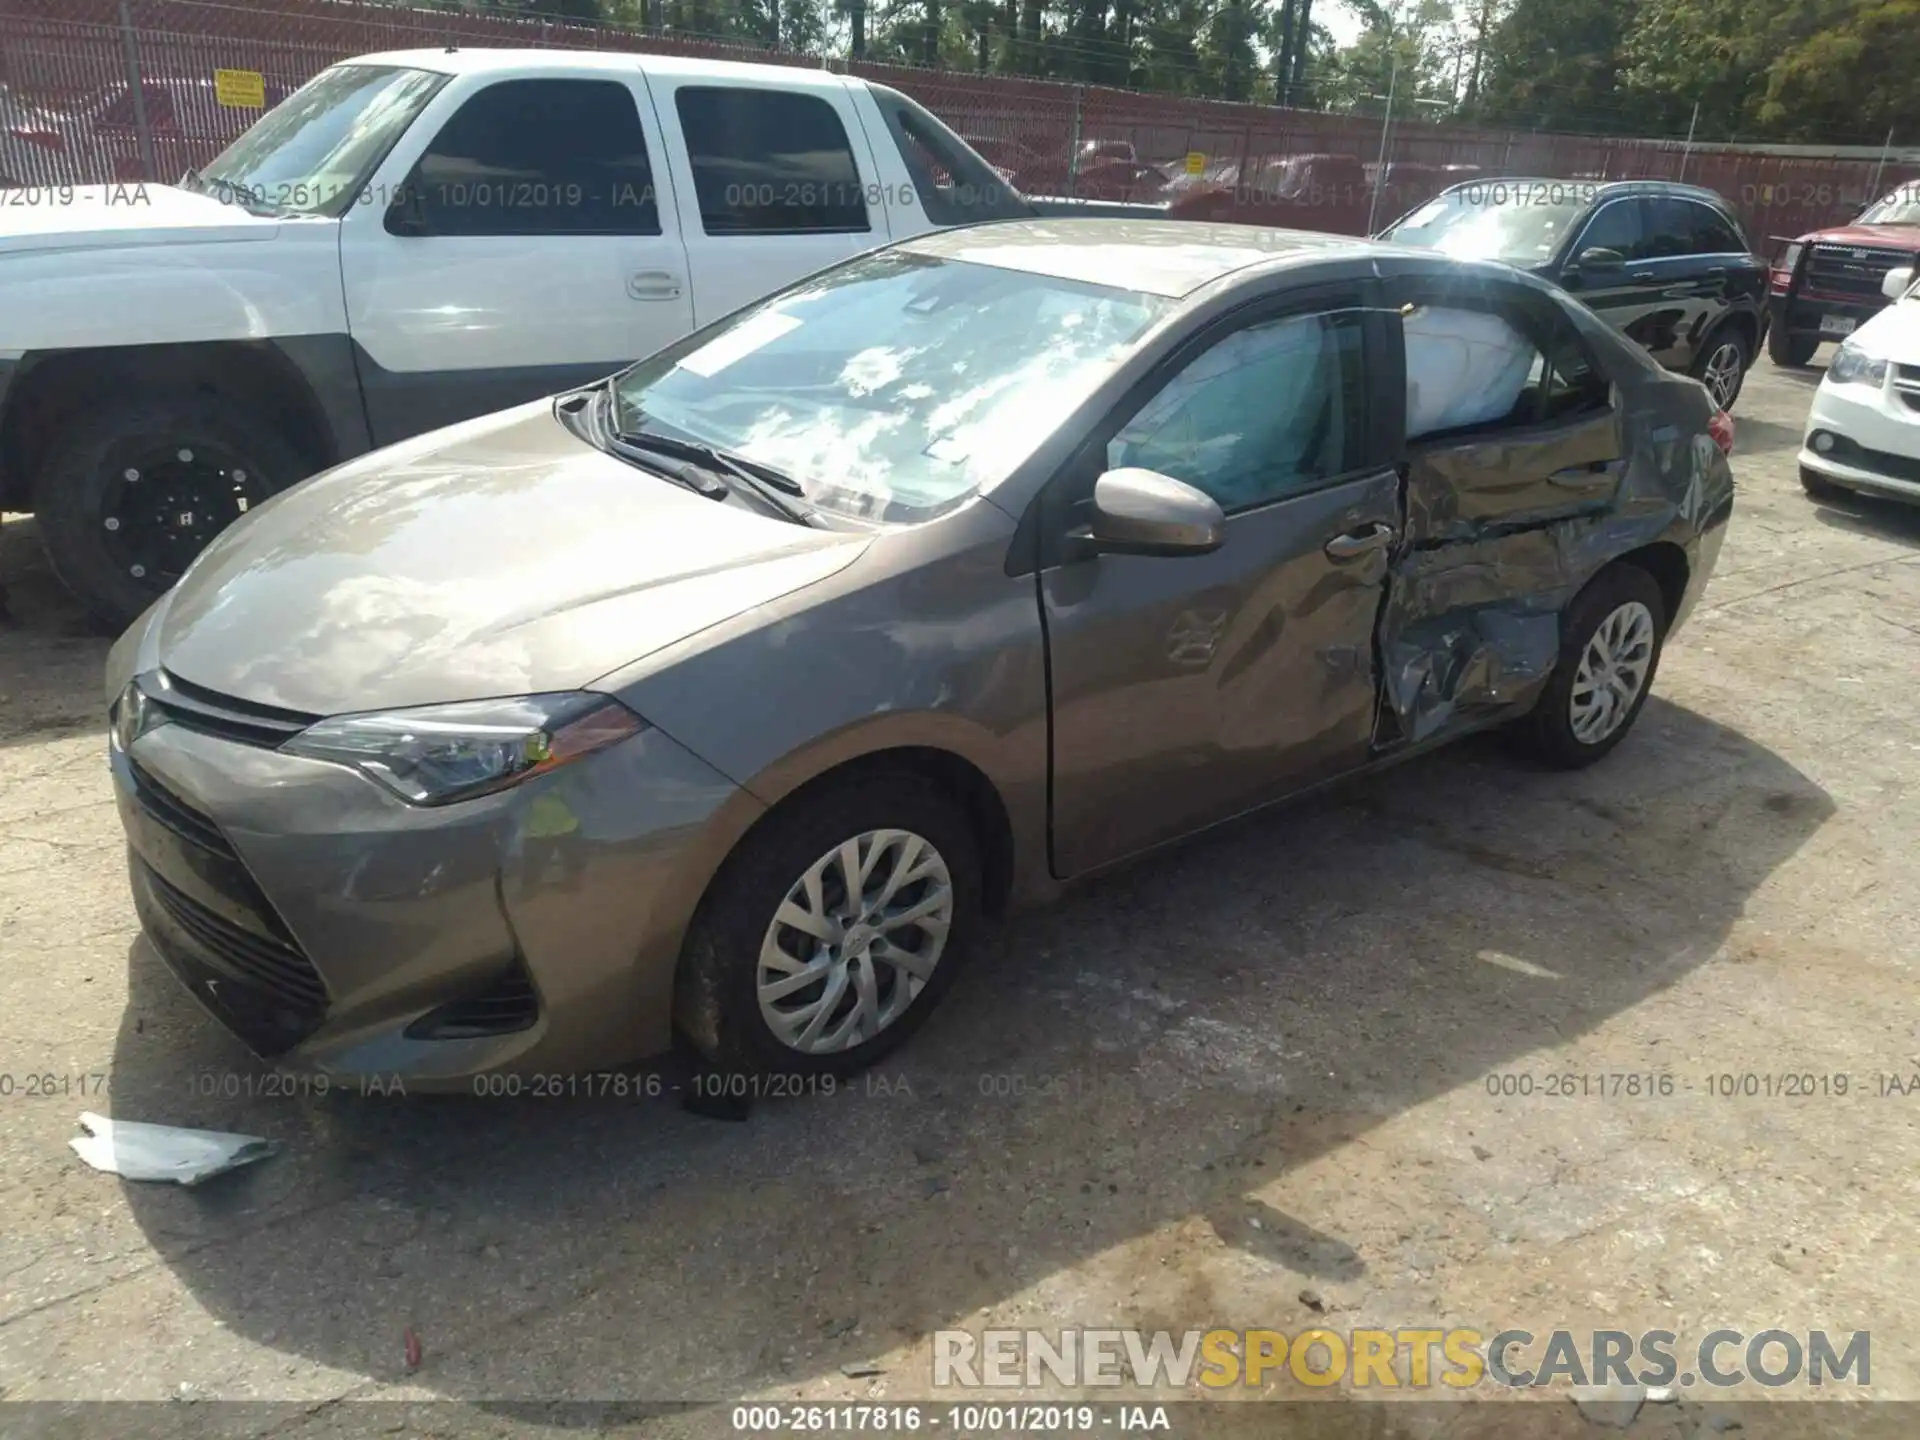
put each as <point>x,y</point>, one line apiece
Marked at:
<point>132,716</point>
<point>1853,366</point>
<point>443,753</point>
<point>1790,257</point>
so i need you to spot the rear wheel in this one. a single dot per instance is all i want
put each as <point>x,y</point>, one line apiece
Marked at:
<point>1610,641</point>
<point>1786,348</point>
<point>1722,365</point>
<point>133,491</point>
<point>833,930</point>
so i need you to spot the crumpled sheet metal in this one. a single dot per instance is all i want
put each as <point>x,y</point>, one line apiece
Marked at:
<point>137,1151</point>
<point>1493,551</point>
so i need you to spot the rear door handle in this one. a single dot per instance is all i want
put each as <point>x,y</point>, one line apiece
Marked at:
<point>653,285</point>
<point>1586,474</point>
<point>1359,542</point>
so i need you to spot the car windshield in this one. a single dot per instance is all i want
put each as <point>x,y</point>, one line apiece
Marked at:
<point>1902,207</point>
<point>312,153</point>
<point>894,386</point>
<point>1522,222</point>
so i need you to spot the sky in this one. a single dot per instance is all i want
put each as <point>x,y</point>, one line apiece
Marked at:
<point>1341,22</point>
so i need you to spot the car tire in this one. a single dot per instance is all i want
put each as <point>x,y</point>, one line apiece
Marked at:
<point>1722,364</point>
<point>720,1007</point>
<point>203,462</point>
<point>1818,487</point>
<point>1623,596</point>
<point>1791,351</point>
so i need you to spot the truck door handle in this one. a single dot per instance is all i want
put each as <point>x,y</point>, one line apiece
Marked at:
<point>653,285</point>
<point>1359,542</point>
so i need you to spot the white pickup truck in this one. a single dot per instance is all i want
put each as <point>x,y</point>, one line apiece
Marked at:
<point>408,240</point>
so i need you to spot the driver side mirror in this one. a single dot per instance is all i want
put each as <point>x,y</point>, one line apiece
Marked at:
<point>1142,512</point>
<point>1896,282</point>
<point>1599,257</point>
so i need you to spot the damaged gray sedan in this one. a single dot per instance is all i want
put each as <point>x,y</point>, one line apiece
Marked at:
<point>723,699</point>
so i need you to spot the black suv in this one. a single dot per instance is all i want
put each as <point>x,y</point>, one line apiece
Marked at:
<point>1668,265</point>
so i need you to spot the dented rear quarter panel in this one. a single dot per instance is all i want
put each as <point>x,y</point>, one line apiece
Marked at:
<point>1503,532</point>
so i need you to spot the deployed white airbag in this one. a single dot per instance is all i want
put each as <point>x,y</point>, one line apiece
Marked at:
<point>1464,367</point>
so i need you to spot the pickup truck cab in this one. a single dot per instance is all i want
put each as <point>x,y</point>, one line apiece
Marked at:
<point>409,240</point>
<point>1826,284</point>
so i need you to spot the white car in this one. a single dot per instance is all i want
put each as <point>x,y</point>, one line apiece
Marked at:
<point>409,240</point>
<point>1864,431</point>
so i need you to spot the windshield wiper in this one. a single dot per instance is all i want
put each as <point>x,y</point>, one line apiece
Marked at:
<point>771,486</point>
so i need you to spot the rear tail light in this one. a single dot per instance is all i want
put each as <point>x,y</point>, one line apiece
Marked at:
<point>1721,428</point>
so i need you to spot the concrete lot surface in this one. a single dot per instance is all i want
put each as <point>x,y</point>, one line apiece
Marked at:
<point>1277,1078</point>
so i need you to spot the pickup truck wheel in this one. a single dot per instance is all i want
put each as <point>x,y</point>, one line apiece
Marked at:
<point>1786,348</point>
<point>1722,365</point>
<point>1610,641</point>
<point>131,493</point>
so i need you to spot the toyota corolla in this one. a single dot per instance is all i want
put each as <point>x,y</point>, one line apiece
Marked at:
<point>726,696</point>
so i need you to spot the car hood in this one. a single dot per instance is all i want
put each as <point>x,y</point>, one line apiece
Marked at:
<point>1893,334</point>
<point>92,217</point>
<point>503,556</point>
<point>1904,238</point>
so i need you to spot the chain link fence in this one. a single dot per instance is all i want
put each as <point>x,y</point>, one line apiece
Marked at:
<point>125,91</point>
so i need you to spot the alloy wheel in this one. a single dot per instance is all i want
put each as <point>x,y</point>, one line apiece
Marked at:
<point>855,941</point>
<point>1612,673</point>
<point>1722,373</point>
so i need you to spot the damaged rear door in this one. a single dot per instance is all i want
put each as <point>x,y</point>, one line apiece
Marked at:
<point>1515,450</point>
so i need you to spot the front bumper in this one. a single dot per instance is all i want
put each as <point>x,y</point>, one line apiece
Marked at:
<point>1879,439</point>
<point>335,928</point>
<point>1804,315</point>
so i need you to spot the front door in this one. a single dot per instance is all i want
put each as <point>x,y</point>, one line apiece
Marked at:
<point>1188,689</point>
<point>1638,297</point>
<point>527,248</point>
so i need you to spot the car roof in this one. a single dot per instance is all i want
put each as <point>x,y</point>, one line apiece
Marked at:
<point>481,59</point>
<point>1599,187</point>
<point>1173,258</point>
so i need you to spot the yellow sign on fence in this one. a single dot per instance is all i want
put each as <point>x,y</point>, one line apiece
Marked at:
<point>1196,163</point>
<point>240,89</point>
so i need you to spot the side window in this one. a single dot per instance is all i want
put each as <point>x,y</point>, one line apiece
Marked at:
<point>770,162</point>
<point>1267,412</point>
<point>539,157</point>
<point>1468,369</point>
<point>952,184</point>
<point>1574,387</point>
<point>1711,233</point>
<point>1617,225</point>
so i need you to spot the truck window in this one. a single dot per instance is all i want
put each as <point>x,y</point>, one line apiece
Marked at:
<point>538,157</point>
<point>954,185</point>
<point>770,162</point>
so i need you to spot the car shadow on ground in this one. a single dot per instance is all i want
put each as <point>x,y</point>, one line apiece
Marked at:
<point>1148,1056</point>
<point>48,639</point>
<point>1859,514</point>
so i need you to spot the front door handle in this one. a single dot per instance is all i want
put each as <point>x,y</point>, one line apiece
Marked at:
<point>1359,542</point>
<point>1577,475</point>
<point>653,285</point>
<point>1644,275</point>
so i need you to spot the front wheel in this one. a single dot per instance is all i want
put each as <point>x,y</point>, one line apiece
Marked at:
<point>1788,349</point>
<point>1610,641</point>
<point>131,492</point>
<point>1818,487</point>
<point>833,930</point>
<point>1722,365</point>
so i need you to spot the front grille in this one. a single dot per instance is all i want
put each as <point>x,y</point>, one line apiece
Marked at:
<point>196,708</point>
<point>1849,270</point>
<point>181,818</point>
<point>1906,385</point>
<point>278,968</point>
<point>509,1005</point>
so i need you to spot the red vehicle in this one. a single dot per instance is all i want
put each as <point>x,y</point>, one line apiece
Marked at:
<point>1826,284</point>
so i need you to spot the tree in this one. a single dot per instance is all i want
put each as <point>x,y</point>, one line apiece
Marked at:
<point>1555,65</point>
